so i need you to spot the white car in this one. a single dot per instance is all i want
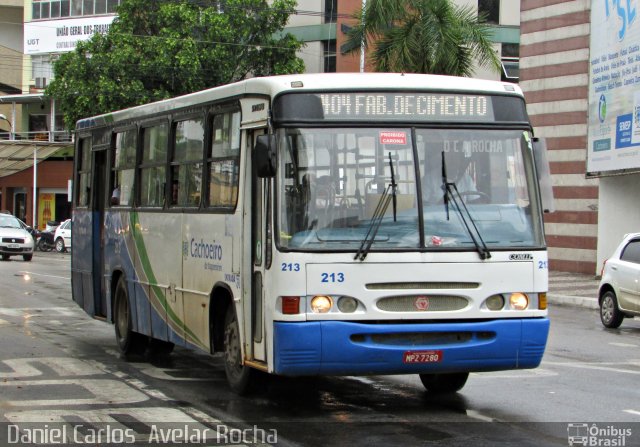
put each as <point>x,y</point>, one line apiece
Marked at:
<point>15,240</point>
<point>619,291</point>
<point>62,236</point>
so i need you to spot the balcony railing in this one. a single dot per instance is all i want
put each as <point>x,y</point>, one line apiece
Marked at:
<point>38,136</point>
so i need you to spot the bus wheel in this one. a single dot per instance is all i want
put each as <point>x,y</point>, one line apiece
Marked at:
<point>129,342</point>
<point>444,383</point>
<point>238,375</point>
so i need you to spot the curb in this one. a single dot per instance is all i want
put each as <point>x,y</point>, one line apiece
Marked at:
<point>570,300</point>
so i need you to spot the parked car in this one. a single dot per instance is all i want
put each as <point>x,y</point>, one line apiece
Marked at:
<point>619,291</point>
<point>32,231</point>
<point>62,236</point>
<point>15,239</point>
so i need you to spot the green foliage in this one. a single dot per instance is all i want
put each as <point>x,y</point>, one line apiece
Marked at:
<point>423,36</point>
<point>157,49</point>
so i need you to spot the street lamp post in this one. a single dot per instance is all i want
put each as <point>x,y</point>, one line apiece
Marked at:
<point>4,118</point>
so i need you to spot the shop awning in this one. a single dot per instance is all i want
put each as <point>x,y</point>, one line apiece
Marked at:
<point>16,156</point>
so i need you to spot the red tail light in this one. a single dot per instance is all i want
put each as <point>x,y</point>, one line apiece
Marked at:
<point>290,305</point>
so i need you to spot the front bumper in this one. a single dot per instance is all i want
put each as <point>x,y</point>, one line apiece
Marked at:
<point>346,348</point>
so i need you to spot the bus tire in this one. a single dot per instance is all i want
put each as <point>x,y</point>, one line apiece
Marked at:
<point>129,342</point>
<point>444,383</point>
<point>238,375</point>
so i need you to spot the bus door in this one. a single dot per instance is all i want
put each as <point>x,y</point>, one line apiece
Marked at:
<point>260,201</point>
<point>99,191</point>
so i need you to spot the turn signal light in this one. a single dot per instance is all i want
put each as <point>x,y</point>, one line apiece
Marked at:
<point>542,301</point>
<point>290,305</point>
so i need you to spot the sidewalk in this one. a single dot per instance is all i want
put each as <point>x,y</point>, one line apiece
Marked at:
<point>574,289</point>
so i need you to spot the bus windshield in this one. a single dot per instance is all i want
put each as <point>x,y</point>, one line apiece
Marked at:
<point>332,180</point>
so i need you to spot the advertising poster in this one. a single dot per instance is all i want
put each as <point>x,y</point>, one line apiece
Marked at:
<point>46,209</point>
<point>614,87</point>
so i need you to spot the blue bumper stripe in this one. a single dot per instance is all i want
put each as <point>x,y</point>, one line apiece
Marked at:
<point>345,348</point>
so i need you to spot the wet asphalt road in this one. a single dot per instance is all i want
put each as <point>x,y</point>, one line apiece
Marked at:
<point>57,364</point>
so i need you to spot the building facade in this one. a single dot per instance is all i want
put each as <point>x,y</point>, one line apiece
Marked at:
<point>543,43</point>
<point>554,63</point>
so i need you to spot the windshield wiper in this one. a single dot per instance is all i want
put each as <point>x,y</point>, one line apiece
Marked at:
<point>388,196</point>
<point>451,192</point>
<point>393,189</point>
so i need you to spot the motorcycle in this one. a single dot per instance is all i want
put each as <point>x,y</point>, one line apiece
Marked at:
<point>44,239</point>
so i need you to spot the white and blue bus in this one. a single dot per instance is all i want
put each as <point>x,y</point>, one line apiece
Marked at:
<point>334,224</point>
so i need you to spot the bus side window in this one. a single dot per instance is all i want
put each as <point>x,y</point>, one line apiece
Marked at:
<point>123,166</point>
<point>186,169</point>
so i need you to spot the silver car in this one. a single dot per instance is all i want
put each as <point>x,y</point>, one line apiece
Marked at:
<point>619,292</point>
<point>15,240</point>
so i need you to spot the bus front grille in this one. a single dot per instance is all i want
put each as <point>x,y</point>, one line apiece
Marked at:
<point>422,303</point>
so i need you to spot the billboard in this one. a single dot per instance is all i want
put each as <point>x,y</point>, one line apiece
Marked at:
<point>614,87</point>
<point>58,36</point>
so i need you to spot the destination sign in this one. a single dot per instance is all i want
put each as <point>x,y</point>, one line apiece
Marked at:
<point>389,105</point>
<point>396,106</point>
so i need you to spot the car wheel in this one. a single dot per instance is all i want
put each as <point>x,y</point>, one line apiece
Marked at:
<point>129,342</point>
<point>27,258</point>
<point>5,257</point>
<point>444,383</point>
<point>60,245</point>
<point>610,314</point>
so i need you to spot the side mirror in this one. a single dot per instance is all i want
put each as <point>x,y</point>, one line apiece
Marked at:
<point>264,156</point>
<point>544,175</point>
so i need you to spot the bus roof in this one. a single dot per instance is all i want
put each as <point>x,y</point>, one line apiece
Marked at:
<point>272,86</point>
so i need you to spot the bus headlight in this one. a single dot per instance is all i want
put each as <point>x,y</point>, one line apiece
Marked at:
<point>495,302</point>
<point>321,304</point>
<point>519,301</point>
<point>347,305</point>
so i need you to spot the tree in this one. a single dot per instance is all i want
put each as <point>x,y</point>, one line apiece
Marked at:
<point>157,49</point>
<point>423,36</point>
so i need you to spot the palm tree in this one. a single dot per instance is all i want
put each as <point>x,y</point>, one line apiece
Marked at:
<point>423,36</point>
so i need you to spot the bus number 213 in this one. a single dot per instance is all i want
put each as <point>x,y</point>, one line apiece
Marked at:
<point>332,277</point>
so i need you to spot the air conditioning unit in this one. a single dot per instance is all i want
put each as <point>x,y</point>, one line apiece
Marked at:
<point>41,82</point>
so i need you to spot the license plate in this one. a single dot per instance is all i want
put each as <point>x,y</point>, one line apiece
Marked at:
<point>422,357</point>
<point>13,246</point>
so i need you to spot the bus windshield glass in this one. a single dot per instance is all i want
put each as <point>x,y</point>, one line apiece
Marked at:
<point>332,180</point>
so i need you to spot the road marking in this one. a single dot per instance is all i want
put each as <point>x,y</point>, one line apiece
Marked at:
<point>637,413</point>
<point>481,417</point>
<point>598,366</point>
<point>42,274</point>
<point>516,374</point>
<point>63,366</point>
<point>147,414</point>
<point>40,311</point>
<point>624,345</point>
<point>163,374</point>
<point>3,322</point>
<point>105,391</point>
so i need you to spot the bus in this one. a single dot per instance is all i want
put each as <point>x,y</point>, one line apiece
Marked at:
<point>319,224</point>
